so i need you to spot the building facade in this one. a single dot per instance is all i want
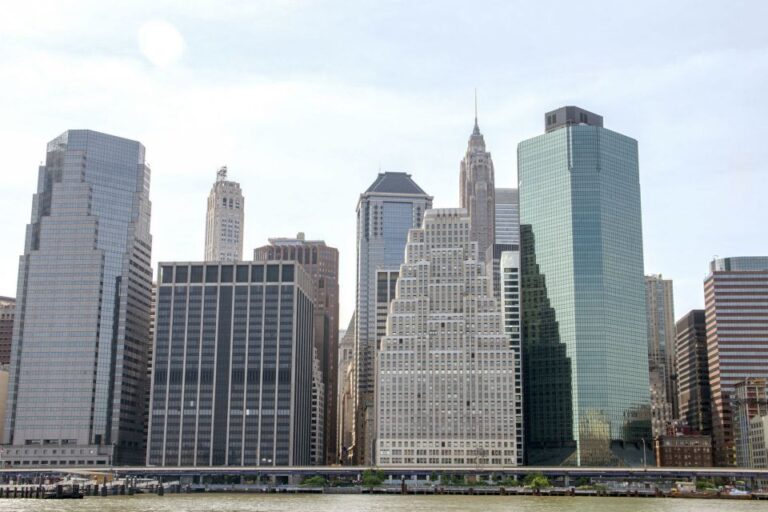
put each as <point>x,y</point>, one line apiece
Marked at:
<point>750,400</point>
<point>683,451</point>
<point>477,190</point>
<point>507,216</point>
<point>661,351</point>
<point>580,204</point>
<point>7,312</point>
<point>758,441</point>
<point>224,220</point>
<point>346,400</point>
<point>547,395</point>
<point>232,371</point>
<point>322,263</point>
<point>693,390</point>
<point>735,297</point>
<point>511,288</point>
<point>507,233</point>
<point>78,357</point>
<point>390,207</point>
<point>445,369</point>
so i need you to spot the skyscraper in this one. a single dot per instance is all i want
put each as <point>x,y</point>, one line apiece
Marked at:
<point>735,296</point>
<point>224,222</point>
<point>78,359</point>
<point>232,372</point>
<point>661,351</point>
<point>580,204</point>
<point>322,263</point>
<point>390,207</point>
<point>477,191</point>
<point>507,234</point>
<point>445,390</point>
<point>507,216</point>
<point>693,391</point>
<point>512,318</point>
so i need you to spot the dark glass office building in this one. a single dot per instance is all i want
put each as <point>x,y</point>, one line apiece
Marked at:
<point>232,368</point>
<point>579,194</point>
<point>80,338</point>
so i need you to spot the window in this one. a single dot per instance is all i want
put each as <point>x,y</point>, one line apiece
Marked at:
<point>211,273</point>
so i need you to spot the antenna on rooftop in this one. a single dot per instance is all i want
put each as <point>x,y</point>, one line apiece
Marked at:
<point>221,174</point>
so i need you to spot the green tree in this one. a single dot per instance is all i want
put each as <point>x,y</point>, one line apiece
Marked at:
<point>536,481</point>
<point>373,478</point>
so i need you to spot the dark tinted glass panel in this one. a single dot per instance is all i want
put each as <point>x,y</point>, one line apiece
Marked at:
<point>211,273</point>
<point>181,274</point>
<point>196,275</point>
<point>287,273</point>
<point>166,274</point>
<point>257,274</point>
<point>273,274</point>
<point>226,273</point>
<point>242,273</point>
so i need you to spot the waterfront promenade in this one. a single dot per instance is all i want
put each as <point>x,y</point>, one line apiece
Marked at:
<point>552,472</point>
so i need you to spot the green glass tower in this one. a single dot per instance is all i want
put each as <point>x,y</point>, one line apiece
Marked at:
<point>580,212</point>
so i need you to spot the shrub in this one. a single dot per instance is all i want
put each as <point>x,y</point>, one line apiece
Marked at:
<point>536,481</point>
<point>314,480</point>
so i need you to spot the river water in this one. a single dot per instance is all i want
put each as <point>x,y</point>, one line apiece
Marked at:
<point>367,503</point>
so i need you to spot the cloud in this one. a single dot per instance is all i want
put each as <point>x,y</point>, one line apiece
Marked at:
<point>161,43</point>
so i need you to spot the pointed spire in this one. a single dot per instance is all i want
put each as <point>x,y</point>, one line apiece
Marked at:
<point>476,130</point>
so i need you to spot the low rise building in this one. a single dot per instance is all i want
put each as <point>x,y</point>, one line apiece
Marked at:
<point>684,451</point>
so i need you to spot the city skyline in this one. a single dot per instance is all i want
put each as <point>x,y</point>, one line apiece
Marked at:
<point>294,117</point>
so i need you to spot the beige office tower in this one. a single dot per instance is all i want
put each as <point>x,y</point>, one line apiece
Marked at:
<point>224,221</point>
<point>346,397</point>
<point>478,192</point>
<point>445,369</point>
<point>661,351</point>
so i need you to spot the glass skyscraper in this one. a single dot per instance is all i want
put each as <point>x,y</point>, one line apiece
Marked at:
<point>391,206</point>
<point>80,340</point>
<point>580,216</point>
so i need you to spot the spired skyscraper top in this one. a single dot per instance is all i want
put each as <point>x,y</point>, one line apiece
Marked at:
<point>224,220</point>
<point>581,225</point>
<point>80,341</point>
<point>477,191</point>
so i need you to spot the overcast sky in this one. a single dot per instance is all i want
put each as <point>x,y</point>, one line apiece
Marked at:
<point>305,101</point>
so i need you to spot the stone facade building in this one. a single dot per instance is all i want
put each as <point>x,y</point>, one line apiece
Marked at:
<point>445,369</point>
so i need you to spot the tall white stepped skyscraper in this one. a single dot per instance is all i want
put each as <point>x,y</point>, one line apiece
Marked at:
<point>224,221</point>
<point>445,369</point>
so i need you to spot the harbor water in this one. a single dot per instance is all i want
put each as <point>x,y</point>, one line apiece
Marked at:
<point>213,502</point>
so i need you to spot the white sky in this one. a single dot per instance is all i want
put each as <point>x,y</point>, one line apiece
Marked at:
<point>305,100</point>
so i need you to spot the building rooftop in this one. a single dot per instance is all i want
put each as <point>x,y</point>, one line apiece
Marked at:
<point>739,263</point>
<point>568,116</point>
<point>395,183</point>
